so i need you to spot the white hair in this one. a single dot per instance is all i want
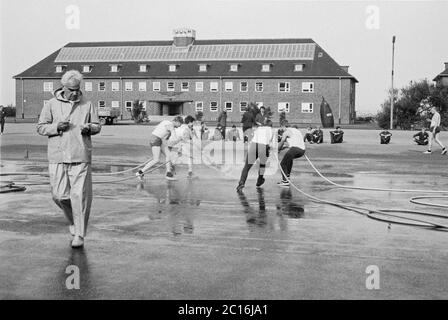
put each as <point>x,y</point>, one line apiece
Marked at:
<point>71,78</point>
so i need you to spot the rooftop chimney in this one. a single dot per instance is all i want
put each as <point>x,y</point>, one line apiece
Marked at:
<point>446,65</point>
<point>345,68</point>
<point>183,37</point>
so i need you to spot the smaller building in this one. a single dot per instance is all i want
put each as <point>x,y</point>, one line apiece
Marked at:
<point>442,78</point>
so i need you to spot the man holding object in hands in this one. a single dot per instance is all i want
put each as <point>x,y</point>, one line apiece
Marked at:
<point>69,120</point>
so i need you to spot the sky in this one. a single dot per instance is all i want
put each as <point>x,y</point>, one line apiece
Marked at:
<point>355,33</point>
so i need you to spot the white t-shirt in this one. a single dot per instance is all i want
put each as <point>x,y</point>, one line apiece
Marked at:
<point>294,138</point>
<point>163,129</point>
<point>263,135</point>
<point>435,120</point>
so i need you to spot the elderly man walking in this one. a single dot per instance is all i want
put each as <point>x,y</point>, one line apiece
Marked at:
<point>68,120</point>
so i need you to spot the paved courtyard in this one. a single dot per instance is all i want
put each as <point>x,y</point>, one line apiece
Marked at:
<point>199,239</point>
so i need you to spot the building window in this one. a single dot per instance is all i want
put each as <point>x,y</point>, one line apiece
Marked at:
<point>259,86</point>
<point>307,107</point>
<point>48,86</point>
<point>114,68</point>
<point>283,107</point>
<point>185,86</point>
<point>172,68</point>
<point>298,67</point>
<point>170,86</point>
<point>60,69</point>
<point>229,106</point>
<point>128,86</point>
<point>102,86</point>
<point>202,68</point>
<point>213,86</point>
<point>283,87</point>
<point>199,86</point>
<point>143,103</point>
<point>199,106</point>
<point>229,86</point>
<point>308,87</point>
<point>266,68</point>
<point>243,86</point>
<point>214,106</point>
<point>88,86</point>
<point>86,68</point>
<point>234,67</point>
<point>115,86</point>
<point>101,104</point>
<point>128,105</point>
<point>115,104</point>
<point>142,86</point>
<point>156,86</point>
<point>243,106</point>
<point>143,68</point>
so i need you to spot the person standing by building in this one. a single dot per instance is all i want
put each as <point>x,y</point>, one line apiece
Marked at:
<point>435,130</point>
<point>222,121</point>
<point>261,116</point>
<point>258,149</point>
<point>2,119</point>
<point>293,137</point>
<point>68,120</point>
<point>233,134</point>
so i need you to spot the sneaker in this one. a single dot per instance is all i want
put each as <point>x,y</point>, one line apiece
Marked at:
<point>140,175</point>
<point>260,181</point>
<point>78,242</point>
<point>240,187</point>
<point>444,151</point>
<point>170,176</point>
<point>283,183</point>
<point>427,152</point>
<point>72,230</point>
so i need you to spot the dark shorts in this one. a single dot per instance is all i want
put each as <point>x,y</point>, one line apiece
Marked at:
<point>155,141</point>
<point>436,131</point>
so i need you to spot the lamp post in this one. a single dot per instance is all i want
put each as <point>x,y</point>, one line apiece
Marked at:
<point>392,94</point>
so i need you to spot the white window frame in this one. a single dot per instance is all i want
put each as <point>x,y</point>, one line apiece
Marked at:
<point>142,86</point>
<point>172,67</point>
<point>287,86</point>
<point>256,86</point>
<point>126,105</point>
<point>99,104</point>
<point>115,86</point>
<point>143,102</point>
<point>128,86</point>
<point>115,104</point>
<point>156,86</point>
<point>228,86</point>
<point>308,87</point>
<point>104,86</point>
<point>88,86</point>
<point>143,68</point>
<point>266,68</point>
<point>199,106</point>
<point>241,86</point>
<point>202,68</point>
<point>48,86</point>
<point>214,86</point>
<point>217,106</point>
<point>86,68</point>
<point>234,67</point>
<point>307,107</point>
<point>185,88</point>
<point>114,67</point>
<point>168,87</point>
<point>241,105</point>
<point>200,86</point>
<point>299,67</point>
<point>231,106</point>
<point>282,105</point>
<point>60,68</point>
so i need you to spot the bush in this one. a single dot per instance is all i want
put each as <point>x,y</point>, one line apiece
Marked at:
<point>10,111</point>
<point>137,108</point>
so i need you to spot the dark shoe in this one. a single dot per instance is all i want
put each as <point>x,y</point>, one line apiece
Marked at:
<point>170,176</point>
<point>260,181</point>
<point>444,151</point>
<point>240,187</point>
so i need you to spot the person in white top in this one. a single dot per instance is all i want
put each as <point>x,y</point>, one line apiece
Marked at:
<point>435,130</point>
<point>293,137</point>
<point>258,149</point>
<point>185,146</point>
<point>162,131</point>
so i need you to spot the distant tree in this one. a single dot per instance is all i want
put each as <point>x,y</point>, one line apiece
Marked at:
<point>10,110</point>
<point>137,108</point>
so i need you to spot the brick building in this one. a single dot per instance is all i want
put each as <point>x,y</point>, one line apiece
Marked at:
<point>442,78</point>
<point>186,75</point>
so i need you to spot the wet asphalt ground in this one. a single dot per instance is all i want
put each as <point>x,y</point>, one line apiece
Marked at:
<point>199,239</point>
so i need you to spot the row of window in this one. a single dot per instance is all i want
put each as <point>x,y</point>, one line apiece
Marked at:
<point>306,107</point>
<point>185,86</point>
<point>202,67</point>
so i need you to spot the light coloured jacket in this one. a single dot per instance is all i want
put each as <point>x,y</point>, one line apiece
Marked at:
<point>69,146</point>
